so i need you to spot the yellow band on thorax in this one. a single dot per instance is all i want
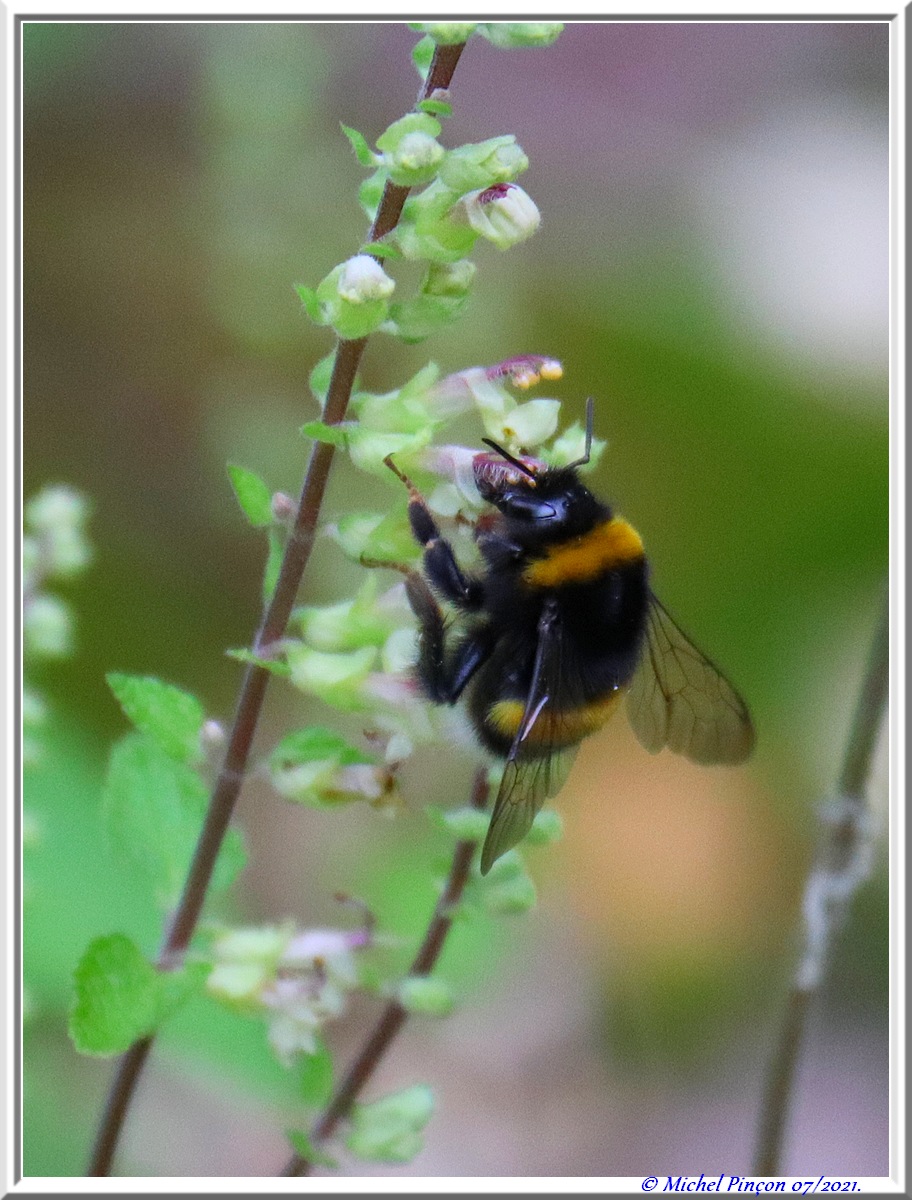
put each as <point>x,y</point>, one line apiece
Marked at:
<point>584,558</point>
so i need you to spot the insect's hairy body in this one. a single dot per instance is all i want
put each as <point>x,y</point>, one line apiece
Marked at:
<point>589,568</point>
<point>556,627</point>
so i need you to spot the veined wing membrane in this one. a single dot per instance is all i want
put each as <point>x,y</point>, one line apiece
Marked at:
<point>531,773</point>
<point>680,699</point>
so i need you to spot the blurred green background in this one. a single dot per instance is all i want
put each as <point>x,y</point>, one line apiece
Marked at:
<point>712,267</point>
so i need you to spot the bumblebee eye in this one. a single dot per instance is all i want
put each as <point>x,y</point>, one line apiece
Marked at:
<point>526,507</point>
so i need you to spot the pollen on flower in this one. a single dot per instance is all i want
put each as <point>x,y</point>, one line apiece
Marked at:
<point>525,370</point>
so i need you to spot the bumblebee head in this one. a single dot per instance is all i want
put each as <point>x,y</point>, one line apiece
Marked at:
<point>540,503</point>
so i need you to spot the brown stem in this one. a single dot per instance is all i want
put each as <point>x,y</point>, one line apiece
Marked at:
<point>841,864</point>
<point>394,1015</point>
<point>256,678</point>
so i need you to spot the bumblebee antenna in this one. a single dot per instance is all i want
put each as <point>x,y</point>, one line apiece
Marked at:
<point>590,417</point>
<point>520,466</point>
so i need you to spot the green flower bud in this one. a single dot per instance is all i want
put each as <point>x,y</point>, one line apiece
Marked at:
<point>449,279</point>
<point>415,160</point>
<point>389,1130</point>
<point>382,536</point>
<point>368,448</point>
<point>503,214</point>
<point>363,280</point>
<point>425,997</point>
<point>411,152</point>
<point>482,164</point>
<point>47,628</point>
<point>351,623</point>
<point>507,35</point>
<point>337,679</point>
<point>354,297</point>
<point>445,33</point>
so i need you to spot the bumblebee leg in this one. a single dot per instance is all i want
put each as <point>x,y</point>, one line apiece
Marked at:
<point>439,559</point>
<point>444,674</point>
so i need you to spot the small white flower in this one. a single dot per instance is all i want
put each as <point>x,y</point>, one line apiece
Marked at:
<point>363,279</point>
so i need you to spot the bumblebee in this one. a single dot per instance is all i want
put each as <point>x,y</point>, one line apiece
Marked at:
<point>557,627</point>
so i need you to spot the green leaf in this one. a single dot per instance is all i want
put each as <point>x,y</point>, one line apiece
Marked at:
<point>173,718</point>
<point>252,494</point>
<point>359,143</point>
<point>117,996</point>
<point>120,996</point>
<point>303,1146</point>
<point>335,435</point>
<point>389,1130</point>
<point>277,666</point>
<point>273,563</point>
<point>312,305</point>
<point>423,55</point>
<point>154,808</point>
<point>438,108</point>
<point>316,1080</point>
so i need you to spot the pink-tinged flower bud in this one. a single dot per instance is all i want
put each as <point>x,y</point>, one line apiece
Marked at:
<point>283,507</point>
<point>503,214</point>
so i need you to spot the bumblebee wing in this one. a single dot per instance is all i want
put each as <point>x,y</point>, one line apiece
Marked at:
<point>528,781</point>
<point>680,699</point>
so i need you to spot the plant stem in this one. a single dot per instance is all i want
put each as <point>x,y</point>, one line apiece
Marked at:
<point>394,1015</point>
<point>256,678</point>
<point>842,864</point>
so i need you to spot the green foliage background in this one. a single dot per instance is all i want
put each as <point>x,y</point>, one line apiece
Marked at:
<point>179,179</point>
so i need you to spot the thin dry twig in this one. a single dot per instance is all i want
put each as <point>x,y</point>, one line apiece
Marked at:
<point>842,864</point>
<point>394,1015</point>
<point>256,678</point>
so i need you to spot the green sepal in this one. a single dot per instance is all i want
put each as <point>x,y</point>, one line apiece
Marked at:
<point>509,35</point>
<point>252,495</point>
<point>315,744</point>
<point>274,665</point>
<point>385,537</point>
<point>416,319</point>
<point>371,191</point>
<point>423,55</point>
<point>312,306</point>
<point>320,377</point>
<point>359,144</point>
<point>333,435</point>
<point>304,1148</point>
<point>170,716</point>
<point>381,250</point>
<point>438,108</point>
<point>274,557</point>
<point>415,122</point>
